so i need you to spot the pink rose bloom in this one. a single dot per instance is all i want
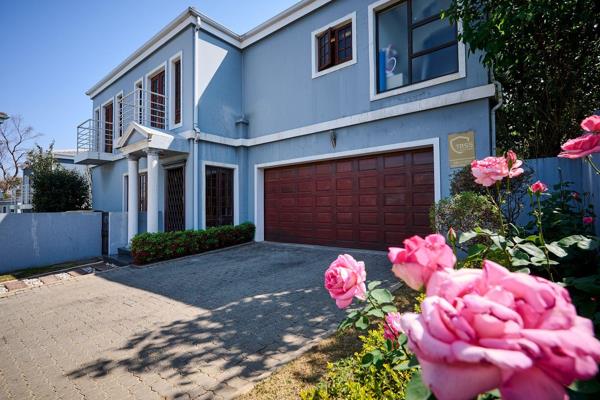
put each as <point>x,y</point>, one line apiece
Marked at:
<point>392,328</point>
<point>588,220</point>
<point>490,328</point>
<point>591,124</point>
<point>538,187</point>
<point>420,258</point>
<point>345,279</point>
<point>489,170</point>
<point>514,165</point>
<point>581,147</point>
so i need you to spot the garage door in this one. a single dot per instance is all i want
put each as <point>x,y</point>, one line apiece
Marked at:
<point>368,202</point>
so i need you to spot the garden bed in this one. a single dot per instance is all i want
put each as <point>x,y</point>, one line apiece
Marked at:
<point>306,371</point>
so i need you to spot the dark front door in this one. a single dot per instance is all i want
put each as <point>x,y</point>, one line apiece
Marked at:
<point>219,196</point>
<point>175,200</point>
<point>364,202</point>
<point>157,100</point>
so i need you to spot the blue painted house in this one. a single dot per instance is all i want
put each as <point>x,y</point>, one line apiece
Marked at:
<point>328,124</point>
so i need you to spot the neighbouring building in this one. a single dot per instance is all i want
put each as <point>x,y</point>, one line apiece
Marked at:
<point>334,123</point>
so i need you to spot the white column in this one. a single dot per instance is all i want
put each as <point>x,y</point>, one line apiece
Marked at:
<point>132,197</point>
<point>152,225</point>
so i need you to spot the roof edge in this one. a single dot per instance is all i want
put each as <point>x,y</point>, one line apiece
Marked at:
<point>273,24</point>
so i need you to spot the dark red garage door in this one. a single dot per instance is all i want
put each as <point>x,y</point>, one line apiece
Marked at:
<point>367,202</point>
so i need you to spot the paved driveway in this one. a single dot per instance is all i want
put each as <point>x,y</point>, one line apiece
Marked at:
<point>204,327</point>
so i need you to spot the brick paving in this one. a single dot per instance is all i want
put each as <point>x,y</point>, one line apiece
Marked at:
<point>204,327</point>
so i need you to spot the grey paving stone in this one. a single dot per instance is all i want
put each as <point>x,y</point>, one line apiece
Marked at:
<point>205,327</point>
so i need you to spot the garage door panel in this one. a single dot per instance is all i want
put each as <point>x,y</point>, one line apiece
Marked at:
<point>367,182</point>
<point>344,183</point>
<point>365,202</point>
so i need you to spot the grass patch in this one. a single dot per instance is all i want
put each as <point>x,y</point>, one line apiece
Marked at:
<point>306,371</point>
<point>32,272</point>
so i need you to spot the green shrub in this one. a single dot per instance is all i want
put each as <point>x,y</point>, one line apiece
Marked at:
<point>463,181</point>
<point>151,247</point>
<point>463,212</point>
<point>349,379</point>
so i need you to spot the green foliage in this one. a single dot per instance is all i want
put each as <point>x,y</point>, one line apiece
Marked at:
<point>151,247</point>
<point>545,54</point>
<point>463,212</point>
<point>463,181</point>
<point>353,379</point>
<point>563,211</point>
<point>379,302</point>
<point>56,189</point>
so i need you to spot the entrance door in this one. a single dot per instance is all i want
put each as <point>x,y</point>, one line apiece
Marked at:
<point>175,199</point>
<point>219,196</point>
<point>157,100</point>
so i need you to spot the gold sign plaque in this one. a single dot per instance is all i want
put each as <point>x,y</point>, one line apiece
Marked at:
<point>461,149</point>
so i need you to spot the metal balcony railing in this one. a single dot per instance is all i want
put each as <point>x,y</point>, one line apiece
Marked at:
<point>88,136</point>
<point>142,106</point>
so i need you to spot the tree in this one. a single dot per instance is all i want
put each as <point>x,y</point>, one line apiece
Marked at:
<point>14,137</point>
<point>546,55</point>
<point>56,189</point>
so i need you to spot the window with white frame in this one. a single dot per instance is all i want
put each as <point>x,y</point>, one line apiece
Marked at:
<point>120,114</point>
<point>413,44</point>
<point>334,46</point>
<point>176,89</point>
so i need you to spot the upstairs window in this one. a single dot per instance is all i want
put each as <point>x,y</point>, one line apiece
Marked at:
<point>334,46</point>
<point>177,66</point>
<point>175,90</point>
<point>413,44</point>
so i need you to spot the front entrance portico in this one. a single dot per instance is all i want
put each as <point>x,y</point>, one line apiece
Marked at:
<point>138,142</point>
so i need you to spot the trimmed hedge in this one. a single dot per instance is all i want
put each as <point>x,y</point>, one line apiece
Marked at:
<point>151,247</point>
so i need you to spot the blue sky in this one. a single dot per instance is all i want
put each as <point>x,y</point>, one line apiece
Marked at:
<point>53,51</point>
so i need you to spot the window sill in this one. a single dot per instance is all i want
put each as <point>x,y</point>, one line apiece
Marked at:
<point>420,85</point>
<point>175,126</point>
<point>317,74</point>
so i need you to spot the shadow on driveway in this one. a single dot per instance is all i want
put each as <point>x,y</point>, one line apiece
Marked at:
<point>257,307</point>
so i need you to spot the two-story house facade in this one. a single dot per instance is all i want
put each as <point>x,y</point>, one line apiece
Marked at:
<point>331,123</point>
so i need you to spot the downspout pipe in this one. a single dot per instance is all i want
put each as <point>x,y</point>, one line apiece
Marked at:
<point>499,102</point>
<point>196,125</point>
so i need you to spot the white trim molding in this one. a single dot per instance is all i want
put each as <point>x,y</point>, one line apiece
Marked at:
<point>236,190</point>
<point>462,71</point>
<point>259,169</point>
<point>430,103</point>
<point>101,130</point>
<point>315,48</point>
<point>172,60</point>
<point>191,16</point>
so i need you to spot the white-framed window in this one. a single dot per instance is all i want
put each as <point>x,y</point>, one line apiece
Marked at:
<point>107,125</point>
<point>119,112</point>
<point>156,96</point>
<point>411,47</point>
<point>176,90</point>
<point>334,46</point>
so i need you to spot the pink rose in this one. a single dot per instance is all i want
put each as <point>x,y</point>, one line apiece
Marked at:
<point>591,124</point>
<point>514,165</point>
<point>490,328</point>
<point>392,328</point>
<point>538,187</point>
<point>581,147</point>
<point>588,220</point>
<point>420,258</point>
<point>345,279</point>
<point>489,170</point>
